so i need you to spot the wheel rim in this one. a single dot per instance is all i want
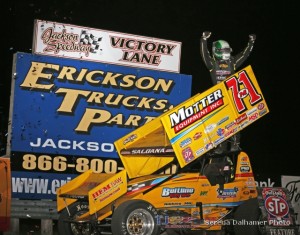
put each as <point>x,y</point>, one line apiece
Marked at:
<point>80,228</point>
<point>140,221</point>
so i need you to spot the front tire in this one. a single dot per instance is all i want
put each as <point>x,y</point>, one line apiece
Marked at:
<point>135,217</point>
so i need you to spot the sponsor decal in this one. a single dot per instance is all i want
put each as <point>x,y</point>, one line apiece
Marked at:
<point>218,141</point>
<point>131,138</point>
<point>275,202</point>
<point>230,125</point>
<point>253,117</point>
<point>197,135</point>
<point>220,132</point>
<point>261,106</point>
<point>241,118</point>
<point>209,146</point>
<point>244,159</point>
<point>188,154</point>
<point>222,72</point>
<point>185,142</point>
<point>149,150</point>
<point>222,120</point>
<point>199,151</point>
<point>203,193</point>
<point>263,112</point>
<point>178,222</point>
<point>244,124</point>
<point>231,132</point>
<point>186,116</point>
<point>245,169</point>
<point>245,163</point>
<point>254,110</point>
<point>210,128</point>
<point>109,187</point>
<point>227,193</point>
<point>177,192</point>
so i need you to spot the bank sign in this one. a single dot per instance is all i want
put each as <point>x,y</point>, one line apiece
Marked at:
<point>66,115</point>
<point>77,42</point>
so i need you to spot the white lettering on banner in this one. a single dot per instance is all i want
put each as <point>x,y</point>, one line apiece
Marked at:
<point>37,185</point>
<point>283,231</point>
<point>268,183</point>
<point>73,144</point>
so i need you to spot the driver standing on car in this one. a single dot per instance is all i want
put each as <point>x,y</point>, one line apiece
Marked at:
<point>221,65</point>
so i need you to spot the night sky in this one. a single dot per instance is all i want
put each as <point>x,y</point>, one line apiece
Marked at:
<point>271,142</point>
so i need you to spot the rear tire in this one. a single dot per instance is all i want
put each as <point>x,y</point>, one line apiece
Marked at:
<point>76,209</point>
<point>246,213</point>
<point>135,217</point>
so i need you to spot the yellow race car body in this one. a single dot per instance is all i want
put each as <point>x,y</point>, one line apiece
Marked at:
<point>205,188</point>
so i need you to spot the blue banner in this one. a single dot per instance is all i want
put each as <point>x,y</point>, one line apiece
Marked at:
<point>66,114</point>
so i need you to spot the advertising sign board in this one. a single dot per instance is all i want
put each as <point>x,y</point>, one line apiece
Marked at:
<point>66,114</point>
<point>83,43</point>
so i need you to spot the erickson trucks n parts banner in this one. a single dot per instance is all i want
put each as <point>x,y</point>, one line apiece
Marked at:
<point>76,42</point>
<point>66,114</point>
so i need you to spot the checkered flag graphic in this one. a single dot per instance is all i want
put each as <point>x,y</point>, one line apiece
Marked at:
<point>87,38</point>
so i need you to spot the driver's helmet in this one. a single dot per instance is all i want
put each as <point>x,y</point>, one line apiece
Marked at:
<point>221,50</point>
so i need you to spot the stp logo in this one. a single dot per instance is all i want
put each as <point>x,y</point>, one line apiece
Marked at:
<point>276,206</point>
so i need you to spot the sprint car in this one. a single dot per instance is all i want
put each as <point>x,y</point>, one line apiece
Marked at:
<point>208,193</point>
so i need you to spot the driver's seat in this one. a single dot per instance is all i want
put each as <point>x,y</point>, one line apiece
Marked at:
<point>219,170</point>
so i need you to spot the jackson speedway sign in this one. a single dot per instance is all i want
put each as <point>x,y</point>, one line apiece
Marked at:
<point>76,42</point>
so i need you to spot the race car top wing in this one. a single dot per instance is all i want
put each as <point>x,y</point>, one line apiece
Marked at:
<point>195,126</point>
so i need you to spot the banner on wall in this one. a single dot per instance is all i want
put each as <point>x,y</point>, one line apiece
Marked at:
<point>292,183</point>
<point>89,44</point>
<point>66,114</point>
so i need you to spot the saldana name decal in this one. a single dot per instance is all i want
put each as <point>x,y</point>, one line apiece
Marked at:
<point>149,150</point>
